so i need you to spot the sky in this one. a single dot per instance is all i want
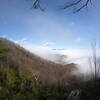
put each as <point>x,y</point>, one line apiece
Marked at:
<point>53,29</point>
<point>64,29</point>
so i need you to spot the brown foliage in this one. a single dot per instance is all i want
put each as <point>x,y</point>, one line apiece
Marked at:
<point>47,71</point>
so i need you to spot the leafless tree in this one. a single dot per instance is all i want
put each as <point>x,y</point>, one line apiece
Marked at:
<point>93,61</point>
<point>79,4</point>
<point>60,58</point>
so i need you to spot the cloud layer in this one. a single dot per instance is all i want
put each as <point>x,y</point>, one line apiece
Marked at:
<point>78,56</point>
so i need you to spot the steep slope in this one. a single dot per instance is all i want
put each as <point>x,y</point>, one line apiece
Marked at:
<point>16,57</point>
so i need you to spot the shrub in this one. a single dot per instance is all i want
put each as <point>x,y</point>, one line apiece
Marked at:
<point>4,50</point>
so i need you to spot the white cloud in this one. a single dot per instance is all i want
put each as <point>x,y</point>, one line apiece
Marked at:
<point>44,51</point>
<point>22,41</point>
<point>78,56</point>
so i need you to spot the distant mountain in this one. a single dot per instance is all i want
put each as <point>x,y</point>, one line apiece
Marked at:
<point>16,57</point>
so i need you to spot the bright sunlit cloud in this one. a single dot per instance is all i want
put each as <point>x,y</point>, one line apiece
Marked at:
<point>77,56</point>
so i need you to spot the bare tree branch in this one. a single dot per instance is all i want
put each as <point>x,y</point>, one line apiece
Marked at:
<point>68,5</point>
<point>85,5</point>
<point>37,5</point>
<point>94,44</point>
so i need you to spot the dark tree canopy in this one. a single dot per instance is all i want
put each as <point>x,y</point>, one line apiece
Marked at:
<point>79,4</point>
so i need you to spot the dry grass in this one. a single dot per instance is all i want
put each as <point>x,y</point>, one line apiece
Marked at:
<point>48,72</point>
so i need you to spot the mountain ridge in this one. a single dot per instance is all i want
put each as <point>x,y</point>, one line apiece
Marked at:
<point>48,72</point>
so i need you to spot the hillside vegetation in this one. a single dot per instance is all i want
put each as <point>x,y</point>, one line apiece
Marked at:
<point>16,57</point>
<point>25,76</point>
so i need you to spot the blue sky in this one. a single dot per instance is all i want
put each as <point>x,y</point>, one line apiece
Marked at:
<point>62,29</point>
